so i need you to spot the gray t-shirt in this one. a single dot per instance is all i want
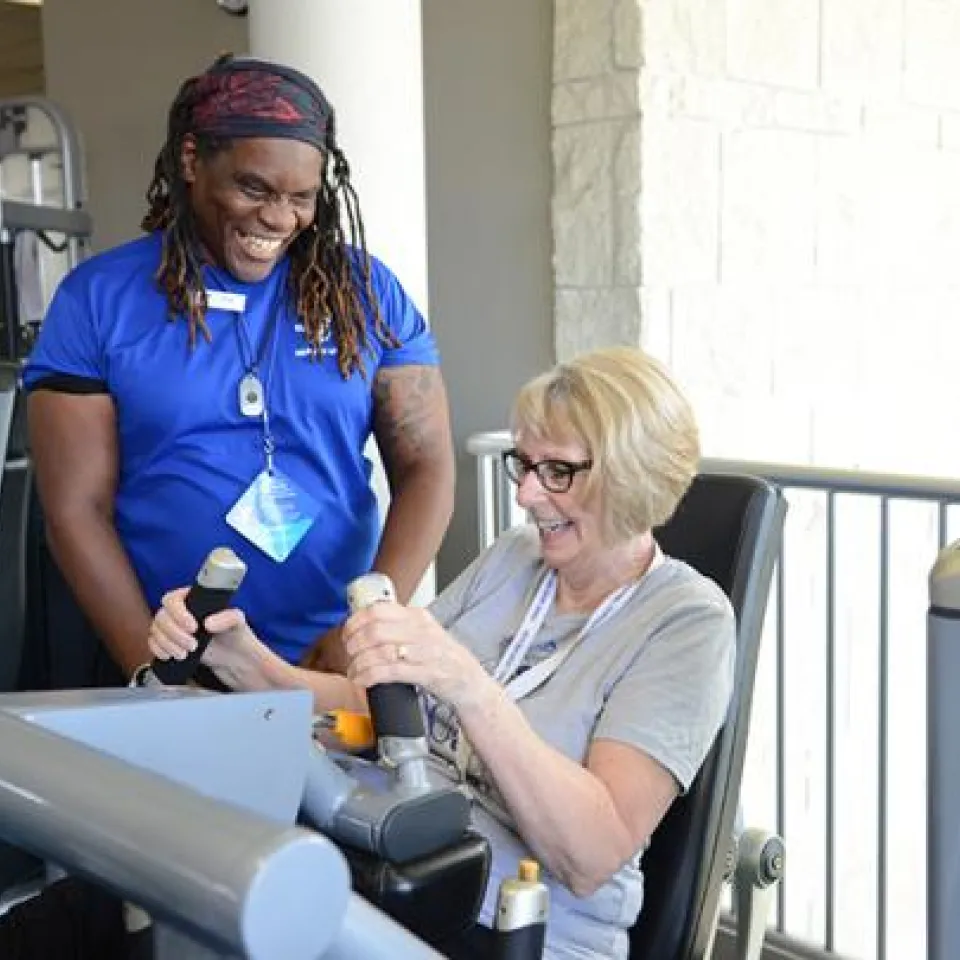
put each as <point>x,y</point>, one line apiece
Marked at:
<point>657,675</point>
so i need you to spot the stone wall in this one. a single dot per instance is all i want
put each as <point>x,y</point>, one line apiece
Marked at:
<point>771,190</point>
<point>766,194</point>
<point>596,147</point>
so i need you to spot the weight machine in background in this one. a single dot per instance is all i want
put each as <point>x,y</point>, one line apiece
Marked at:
<point>44,228</point>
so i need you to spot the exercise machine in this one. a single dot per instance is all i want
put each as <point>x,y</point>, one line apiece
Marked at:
<point>192,805</point>
<point>44,229</point>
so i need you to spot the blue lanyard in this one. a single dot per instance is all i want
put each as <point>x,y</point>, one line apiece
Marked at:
<point>251,379</point>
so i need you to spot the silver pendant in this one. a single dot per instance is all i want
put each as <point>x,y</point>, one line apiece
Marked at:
<point>251,396</point>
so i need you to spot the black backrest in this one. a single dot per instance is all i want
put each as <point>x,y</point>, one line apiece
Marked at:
<point>729,528</point>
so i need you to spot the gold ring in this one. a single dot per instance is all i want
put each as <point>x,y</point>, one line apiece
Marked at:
<point>401,652</point>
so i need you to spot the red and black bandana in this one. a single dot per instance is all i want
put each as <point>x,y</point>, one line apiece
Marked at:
<point>254,98</point>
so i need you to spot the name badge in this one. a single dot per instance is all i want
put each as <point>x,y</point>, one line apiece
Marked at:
<point>274,514</point>
<point>224,300</point>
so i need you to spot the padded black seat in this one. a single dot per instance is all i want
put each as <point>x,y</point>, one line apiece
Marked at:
<point>730,529</point>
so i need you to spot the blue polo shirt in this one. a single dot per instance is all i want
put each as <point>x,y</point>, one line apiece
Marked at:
<point>187,453</point>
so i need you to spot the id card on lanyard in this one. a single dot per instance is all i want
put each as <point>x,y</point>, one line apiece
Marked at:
<point>519,684</point>
<point>273,513</point>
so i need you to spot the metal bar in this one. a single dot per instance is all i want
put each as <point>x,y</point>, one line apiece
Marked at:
<point>69,146</point>
<point>790,475</point>
<point>830,758</point>
<point>485,496</point>
<point>369,934</point>
<point>900,486</point>
<point>228,878</point>
<point>503,497</point>
<point>781,730</point>
<point>9,303</point>
<point>16,215</point>
<point>943,760</point>
<point>941,524</point>
<point>36,181</point>
<point>882,730</point>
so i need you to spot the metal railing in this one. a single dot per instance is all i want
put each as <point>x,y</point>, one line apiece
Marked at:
<point>836,761</point>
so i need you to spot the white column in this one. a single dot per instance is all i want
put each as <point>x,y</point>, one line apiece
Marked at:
<point>367,57</point>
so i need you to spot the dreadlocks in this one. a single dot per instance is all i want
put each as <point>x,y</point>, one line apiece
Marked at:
<point>329,265</point>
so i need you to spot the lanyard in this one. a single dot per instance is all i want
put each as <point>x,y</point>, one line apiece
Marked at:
<point>517,686</point>
<point>253,387</point>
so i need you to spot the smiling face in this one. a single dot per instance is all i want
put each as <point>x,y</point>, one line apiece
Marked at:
<point>570,523</point>
<point>251,200</point>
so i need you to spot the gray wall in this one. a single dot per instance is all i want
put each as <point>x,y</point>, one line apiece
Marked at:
<point>487,70</point>
<point>115,67</point>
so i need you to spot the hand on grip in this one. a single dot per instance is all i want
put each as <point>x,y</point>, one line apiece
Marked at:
<point>212,592</point>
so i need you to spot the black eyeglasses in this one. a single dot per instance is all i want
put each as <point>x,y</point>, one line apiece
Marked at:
<point>554,475</point>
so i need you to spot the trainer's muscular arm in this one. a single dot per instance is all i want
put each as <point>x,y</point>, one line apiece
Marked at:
<point>412,427</point>
<point>73,440</point>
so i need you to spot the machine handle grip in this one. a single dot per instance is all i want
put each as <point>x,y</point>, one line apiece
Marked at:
<point>217,582</point>
<point>394,707</point>
<point>524,943</point>
<point>395,710</point>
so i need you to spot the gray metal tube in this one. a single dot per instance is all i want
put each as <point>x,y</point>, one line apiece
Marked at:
<point>70,159</point>
<point>73,196</point>
<point>229,878</point>
<point>943,758</point>
<point>369,934</point>
<point>326,789</point>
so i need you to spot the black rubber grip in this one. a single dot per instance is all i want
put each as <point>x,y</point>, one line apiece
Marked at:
<point>524,943</point>
<point>201,602</point>
<point>395,710</point>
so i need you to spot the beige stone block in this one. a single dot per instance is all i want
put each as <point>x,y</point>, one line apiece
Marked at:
<point>582,39</point>
<point>774,41</point>
<point>768,222</point>
<point>907,398</point>
<point>627,34</point>
<point>743,105</point>
<point>656,323</point>
<point>731,104</point>
<point>627,255</point>
<point>761,428</point>
<point>660,94</point>
<point>586,319</point>
<point>950,131</point>
<point>680,198</point>
<point>886,215</point>
<point>627,207</point>
<point>931,60</point>
<point>616,95</point>
<point>724,338</point>
<point>583,204</point>
<point>817,341</point>
<point>816,112</point>
<point>844,249</point>
<point>685,36</point>
<point>627,159</point>
<point>902,124</point>
<point>861,46</point>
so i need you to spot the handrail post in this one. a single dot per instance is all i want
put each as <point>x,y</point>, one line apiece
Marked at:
<point>943,757</point>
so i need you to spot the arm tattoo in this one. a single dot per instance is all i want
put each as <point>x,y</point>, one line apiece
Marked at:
<point>409,412</point>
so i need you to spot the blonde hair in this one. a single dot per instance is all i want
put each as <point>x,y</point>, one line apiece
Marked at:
<point>637,427</point>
